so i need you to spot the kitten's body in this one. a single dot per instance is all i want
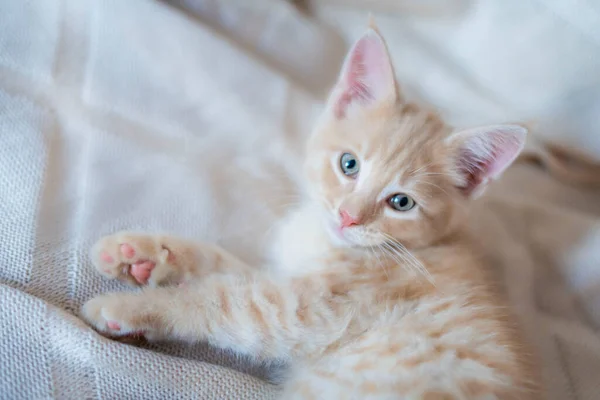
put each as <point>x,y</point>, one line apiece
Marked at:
<point>413,336</point>
<point>364,301</point>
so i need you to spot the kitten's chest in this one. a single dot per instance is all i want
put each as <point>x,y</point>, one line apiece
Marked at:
<point>299,242</point>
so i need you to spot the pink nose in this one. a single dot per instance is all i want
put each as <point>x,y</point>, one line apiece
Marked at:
<point>347,220</point>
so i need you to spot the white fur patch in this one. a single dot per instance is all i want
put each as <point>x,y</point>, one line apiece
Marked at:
<point>364,174</point>
<point>299,240</point>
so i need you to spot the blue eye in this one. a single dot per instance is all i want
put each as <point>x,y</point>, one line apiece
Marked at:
<point>401,202</point>
<point>349,164</point>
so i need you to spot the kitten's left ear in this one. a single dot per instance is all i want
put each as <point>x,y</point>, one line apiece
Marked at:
<point>482,154</point>
<point>367,77</point>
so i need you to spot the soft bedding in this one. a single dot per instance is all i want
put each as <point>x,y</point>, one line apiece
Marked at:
<point>188,116</point>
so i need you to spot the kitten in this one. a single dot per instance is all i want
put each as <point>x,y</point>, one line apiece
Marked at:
<point>375,290</point>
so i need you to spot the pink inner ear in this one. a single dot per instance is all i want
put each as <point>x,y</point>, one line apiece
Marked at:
<point>367,75</point>
<point>356,89</point>
<point>488,153</point>
<point>473,169</point>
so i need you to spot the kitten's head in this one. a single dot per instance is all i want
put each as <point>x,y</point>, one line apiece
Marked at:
<point>381,168</point>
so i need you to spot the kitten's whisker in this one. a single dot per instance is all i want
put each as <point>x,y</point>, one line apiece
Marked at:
<point>375,253</point>
<point>434,174</point>
<point>434,185</point>
<point>385,246</point>
<point>399,260</point>
<point>413,263</point>
<point>416,263</point>
<point>380,263</point>
<point>420,169</point>
<point>420,267</point>
<point>403,252</point>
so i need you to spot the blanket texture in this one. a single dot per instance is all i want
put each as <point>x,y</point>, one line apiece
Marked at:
<point>188,116</point>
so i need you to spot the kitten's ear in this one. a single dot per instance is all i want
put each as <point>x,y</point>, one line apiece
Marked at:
<point>367,77</point>
<point>482,154</point>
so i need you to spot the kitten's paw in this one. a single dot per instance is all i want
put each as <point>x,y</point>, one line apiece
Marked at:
<point>104,314</point>
<point>121,315</point>
<point>137,258</point>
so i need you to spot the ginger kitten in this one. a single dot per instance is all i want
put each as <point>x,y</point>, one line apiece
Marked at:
<point>375,290</point>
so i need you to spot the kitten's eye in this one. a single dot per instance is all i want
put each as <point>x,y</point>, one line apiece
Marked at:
<point>349,164</point>
<point>401,202</point>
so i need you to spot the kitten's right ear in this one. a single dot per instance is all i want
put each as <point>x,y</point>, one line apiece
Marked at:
<point>367,77</point>
<point>481,154</point>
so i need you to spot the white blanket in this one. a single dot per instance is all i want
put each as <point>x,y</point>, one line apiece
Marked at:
<point>190,118</point>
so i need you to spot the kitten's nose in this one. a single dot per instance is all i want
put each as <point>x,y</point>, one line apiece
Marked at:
<point>347,219</point>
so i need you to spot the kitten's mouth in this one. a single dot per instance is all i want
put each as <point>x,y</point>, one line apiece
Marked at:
<point>337,234</point>
<point>345,237</point>
<point>350,237</point>
<point>340,236</point>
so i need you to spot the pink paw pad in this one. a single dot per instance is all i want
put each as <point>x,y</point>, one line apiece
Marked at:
<point>127,250</point>
<point>104,256</point>
<point>141,271</point>
<point>112,325</point>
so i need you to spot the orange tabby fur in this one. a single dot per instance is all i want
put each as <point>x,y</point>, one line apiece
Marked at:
<point>396,306</point>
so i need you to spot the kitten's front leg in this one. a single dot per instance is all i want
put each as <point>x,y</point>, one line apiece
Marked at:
<point>151,259</point>
<point>262,318</point>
